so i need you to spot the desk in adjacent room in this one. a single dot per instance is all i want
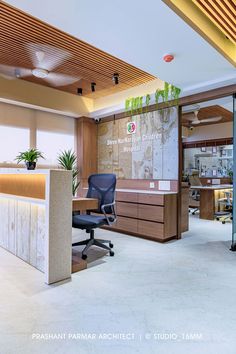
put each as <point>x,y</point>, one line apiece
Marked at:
<point>209,196</point>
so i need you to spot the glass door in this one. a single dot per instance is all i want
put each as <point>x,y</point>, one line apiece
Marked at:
<point>233,246</point>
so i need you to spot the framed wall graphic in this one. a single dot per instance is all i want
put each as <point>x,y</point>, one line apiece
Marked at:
<point>203,149</point>
<point>214,149</point>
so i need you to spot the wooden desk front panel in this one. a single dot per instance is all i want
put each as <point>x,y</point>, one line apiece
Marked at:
<point>147,215</point>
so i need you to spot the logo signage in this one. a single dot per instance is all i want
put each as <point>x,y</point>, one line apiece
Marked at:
<point>131,128</point>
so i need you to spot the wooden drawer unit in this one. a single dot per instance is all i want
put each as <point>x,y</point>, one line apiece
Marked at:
<point>127,197</point>
<point>151,212</point>
<point>151,229</point>
<point>154,199</point>
<point>126,224</point>
<point>127,209</point>
<point>147,215</point>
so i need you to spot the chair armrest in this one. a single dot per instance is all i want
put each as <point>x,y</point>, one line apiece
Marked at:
<point>112,208</point>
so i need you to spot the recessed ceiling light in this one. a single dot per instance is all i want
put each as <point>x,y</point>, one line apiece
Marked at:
<point>40,73</point>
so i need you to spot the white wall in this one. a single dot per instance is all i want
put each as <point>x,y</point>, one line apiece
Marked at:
<point>209,132</point>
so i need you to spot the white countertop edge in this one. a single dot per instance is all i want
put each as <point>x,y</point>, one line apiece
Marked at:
<point>23,199</point>
<point>214,187</point>
<point>24,171</point>
<point>143,191</point>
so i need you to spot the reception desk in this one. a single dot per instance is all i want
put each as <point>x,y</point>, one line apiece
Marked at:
<point>35,219</point>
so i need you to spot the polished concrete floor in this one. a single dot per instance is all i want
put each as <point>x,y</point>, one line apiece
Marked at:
<point>150,298</point>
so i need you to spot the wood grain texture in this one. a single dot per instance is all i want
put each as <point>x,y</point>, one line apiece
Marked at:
<point>184,209</point>
<point>222,13</point>
<point>208,112</point>
<point>22,230</point>
<point>207,204</point>
<point>151,212</point>
<point>25,185</point>
<point>86,147</point>
<point>127,209</point>
<point>80,204</point>
<point>83,61</point>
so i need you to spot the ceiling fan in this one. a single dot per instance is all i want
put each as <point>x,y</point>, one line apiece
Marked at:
<point>45,59</point>
<point>194,120</point>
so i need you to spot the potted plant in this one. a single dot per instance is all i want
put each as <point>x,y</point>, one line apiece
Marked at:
<point>68,161</point>
<point>30,157</point>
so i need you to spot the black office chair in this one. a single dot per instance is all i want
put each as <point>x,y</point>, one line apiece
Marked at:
<point>102,187</point>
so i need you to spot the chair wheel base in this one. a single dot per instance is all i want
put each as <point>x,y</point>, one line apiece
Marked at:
<point>84,256</point>
<point>112,253</point>
<point>223,222</point>
<point>111,245</point>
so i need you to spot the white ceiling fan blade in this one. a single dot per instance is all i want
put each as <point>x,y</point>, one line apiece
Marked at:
<point>213,119</point>
<point>57,80</point>
<point>11,72</point>
<point>196,121</point>
<point>46,57</point>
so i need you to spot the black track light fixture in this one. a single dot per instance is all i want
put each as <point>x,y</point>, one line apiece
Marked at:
<point>79,91</point>
<point>93,86</point>
<point>115,78</point>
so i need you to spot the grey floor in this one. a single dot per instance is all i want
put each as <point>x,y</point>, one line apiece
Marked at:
<point>157,298</point>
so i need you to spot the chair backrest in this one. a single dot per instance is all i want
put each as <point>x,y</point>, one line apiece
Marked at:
<point>194,179</point>
<point>102,187</point>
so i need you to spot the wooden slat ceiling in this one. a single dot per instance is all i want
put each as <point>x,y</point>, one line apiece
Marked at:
<point>222,13</point>
<point>208,112</point>
<point>19,31</point>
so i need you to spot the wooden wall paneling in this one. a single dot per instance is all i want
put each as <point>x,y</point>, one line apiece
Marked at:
<point>86,148</point>
<point>24,185</point>
<point>84,62</point>
<point>207,204</point>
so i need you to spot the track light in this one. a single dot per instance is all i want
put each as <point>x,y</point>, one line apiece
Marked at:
<point>115,78</point>
<point>93,86</point>
<point>79,91</point>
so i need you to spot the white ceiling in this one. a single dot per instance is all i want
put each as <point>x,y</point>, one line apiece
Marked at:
<point>139,33</point>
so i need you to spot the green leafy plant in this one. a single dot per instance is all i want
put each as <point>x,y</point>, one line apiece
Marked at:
<point>31,155</point>
<point>68,161</point>
<point>169,95</point>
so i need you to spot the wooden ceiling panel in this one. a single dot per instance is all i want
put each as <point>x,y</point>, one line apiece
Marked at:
<point>22,35</point>
<point>208,112</point>
<point>222,13</point>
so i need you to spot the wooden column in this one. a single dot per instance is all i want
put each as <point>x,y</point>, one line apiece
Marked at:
<point>86,148</point>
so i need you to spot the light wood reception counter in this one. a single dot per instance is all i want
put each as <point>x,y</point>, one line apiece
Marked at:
<point>35,219</point>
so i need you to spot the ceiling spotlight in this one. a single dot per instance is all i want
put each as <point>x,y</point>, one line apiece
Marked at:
<point>115,78</point>
<point>93,86</point>
<point>79,91</point>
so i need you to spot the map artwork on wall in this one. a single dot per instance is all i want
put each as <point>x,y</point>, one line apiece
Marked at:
<point>144,146</point>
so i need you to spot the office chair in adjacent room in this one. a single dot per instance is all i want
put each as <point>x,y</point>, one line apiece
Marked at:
<point>102,187</point>
<point>226,214</point>
<point>194,202</point>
